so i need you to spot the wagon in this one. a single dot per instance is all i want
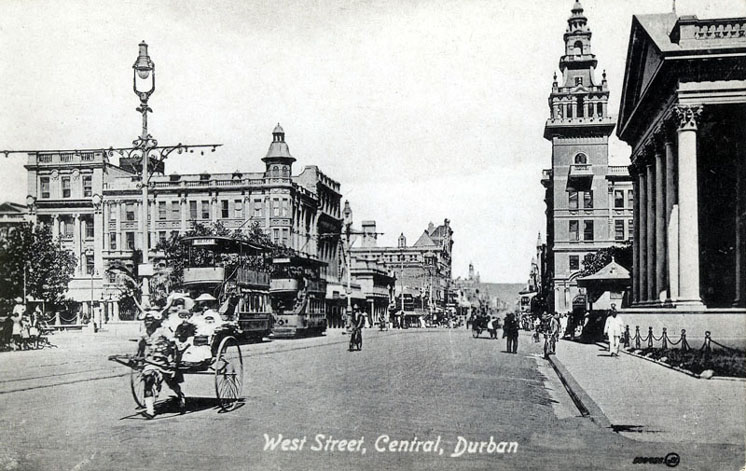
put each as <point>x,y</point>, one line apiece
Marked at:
<point>225,366</point>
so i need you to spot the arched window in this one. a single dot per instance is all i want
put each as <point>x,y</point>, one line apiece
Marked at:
<point>578,47</point>
<point>275,171</point>
<point>285,171</point>
<point>581,159</point>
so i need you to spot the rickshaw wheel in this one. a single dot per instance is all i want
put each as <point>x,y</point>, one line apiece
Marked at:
<point>228,373</point>
<point>137,385</point>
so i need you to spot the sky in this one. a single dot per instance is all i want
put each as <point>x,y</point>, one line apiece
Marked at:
<point>422,110</point>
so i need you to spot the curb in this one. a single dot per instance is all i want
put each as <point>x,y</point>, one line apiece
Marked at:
<point>676,368</point>
<point>585,404</point>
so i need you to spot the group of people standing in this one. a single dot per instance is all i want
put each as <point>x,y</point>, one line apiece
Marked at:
<point>22,330</point>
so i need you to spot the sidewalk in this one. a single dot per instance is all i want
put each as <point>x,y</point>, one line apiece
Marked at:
<point>648,402</point>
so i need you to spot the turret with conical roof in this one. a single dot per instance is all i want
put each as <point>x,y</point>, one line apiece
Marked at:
<point>278,160</point>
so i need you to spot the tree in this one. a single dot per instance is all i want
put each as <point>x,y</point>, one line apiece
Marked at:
<point>593,262</point>
<point>32,253</point>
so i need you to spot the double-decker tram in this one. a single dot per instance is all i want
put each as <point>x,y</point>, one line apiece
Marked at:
<point>298,292</point>
<point>234,272</point>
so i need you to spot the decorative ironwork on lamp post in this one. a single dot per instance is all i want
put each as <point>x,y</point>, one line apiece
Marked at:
<point>348,232</point>
<point>147,150</point>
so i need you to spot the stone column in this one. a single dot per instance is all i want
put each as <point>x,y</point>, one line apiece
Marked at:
<point>672,211</point>
<point>643,231</point>
<point>214,208</point>
<point>55,226</point>
<point>650,227</point>
<point>118,228</point>
<point>660,218</point>
<point>688,117</point>
<point>183,210</point>
<point>636,238</point>
<point>739,300</point>
<point>77,242</point>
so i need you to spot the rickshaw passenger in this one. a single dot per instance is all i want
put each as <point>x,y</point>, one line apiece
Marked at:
<point>156,348</point>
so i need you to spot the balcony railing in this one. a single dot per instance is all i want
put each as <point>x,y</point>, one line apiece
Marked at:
<point>283,284</point>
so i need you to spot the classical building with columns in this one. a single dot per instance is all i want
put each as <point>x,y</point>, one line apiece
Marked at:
<point>588,202</point>
<point>683,112</point>
<point>95,205</point>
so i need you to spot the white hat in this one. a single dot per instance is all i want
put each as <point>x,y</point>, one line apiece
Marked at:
<point>206,297</point>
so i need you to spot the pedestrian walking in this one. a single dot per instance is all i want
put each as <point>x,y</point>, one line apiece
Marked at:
<point>18,310</point>
<point>492,328</point>
<point>614,328</point>
<point>510,331</point>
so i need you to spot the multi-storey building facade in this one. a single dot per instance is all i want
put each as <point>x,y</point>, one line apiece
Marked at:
<point>96,207</point>
<point>422,270</point>
<point>589,203</point>
<point>683,112</point>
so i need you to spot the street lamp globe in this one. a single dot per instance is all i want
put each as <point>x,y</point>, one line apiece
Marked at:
<point>143,79</point>
<point>347,213</point>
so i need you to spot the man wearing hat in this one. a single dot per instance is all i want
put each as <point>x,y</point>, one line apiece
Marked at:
<point>156,349</point>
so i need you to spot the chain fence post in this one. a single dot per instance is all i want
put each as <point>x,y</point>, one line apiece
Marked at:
<point>706,346</point>
<point>664,339</point>
<point>626,336</point>
<point>650,337</point>
<point>637,337</point>
<point>684,344</point>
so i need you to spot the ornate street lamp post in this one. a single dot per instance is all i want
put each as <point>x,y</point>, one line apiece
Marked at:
<point>348,231</point>
<point>143,84</point>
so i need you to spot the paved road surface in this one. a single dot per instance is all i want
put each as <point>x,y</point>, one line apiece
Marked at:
<point>71,409</point>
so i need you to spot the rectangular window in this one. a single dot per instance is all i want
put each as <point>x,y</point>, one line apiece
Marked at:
<point>67,229</point>
<point>588,199</point>
<point>285,236</point>
<point>162,214</point>
<point>257,208</point>
<point>112,240</point>
<point>587,230</point>
<point>224,209</point>
<point>175,210</point>
<point>569,111</point>
<point>574,262</point>
<point>237,209</point>
<point>44,184</point>
<point>88,229</point>
<point>130,240</point>
<point>275,235</point>
<point>573,199</point>
<point>285,208</point>
<point>631,229</point>
<point>87,186</point>
<point>65,187</point>
<point>192,210</point>
<point>205,210</point>
<point>89,266</point>
<point>619,199</point>
<point>574,231</point>
<point>129,211</point>
<point>619,229</point>
<point>162,237</point>
<point>630,199</point>
<point>275,206</point>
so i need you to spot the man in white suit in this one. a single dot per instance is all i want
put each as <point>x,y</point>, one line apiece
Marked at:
<point>614,328</point>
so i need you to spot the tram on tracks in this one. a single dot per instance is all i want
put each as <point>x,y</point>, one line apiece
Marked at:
<point>298,292</point>
<point>230,269</point>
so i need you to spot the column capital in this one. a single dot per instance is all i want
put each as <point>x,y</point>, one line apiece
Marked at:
<point>687,117</point>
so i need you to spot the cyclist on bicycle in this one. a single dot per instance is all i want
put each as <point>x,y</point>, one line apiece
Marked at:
<point>357,322</point>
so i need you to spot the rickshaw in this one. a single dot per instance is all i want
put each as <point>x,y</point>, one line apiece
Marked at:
<point>225,365</point>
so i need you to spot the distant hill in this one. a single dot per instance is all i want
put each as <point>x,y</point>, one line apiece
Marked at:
<point>505,292</point>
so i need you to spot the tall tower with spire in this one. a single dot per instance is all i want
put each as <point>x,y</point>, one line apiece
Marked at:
<point>580,185</point>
